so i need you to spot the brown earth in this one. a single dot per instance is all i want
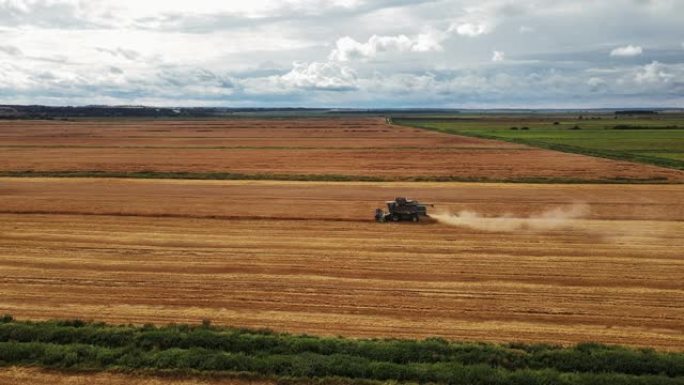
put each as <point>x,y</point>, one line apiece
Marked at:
<point>616,276</point>
<point>350,146</point>
<point>34,376</point>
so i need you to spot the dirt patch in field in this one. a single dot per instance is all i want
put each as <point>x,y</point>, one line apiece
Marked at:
<point>357,147</point>
<point>318,275</point>
<point>33,376</point>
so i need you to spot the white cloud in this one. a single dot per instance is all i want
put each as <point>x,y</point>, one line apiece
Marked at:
<point>479,18</point>
<point>596,84</point>
<point>653,73</point>
<point>470,29</point>
<point>627,51</point>
<point>429,41</point>
<point>347,49</point>
<point>327,76</point>
<point>498,56</point>
<point>10,50</point>
<point>128,54</point>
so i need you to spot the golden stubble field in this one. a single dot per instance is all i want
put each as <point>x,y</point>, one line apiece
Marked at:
<point>307,258</point>
<point>353,147</point>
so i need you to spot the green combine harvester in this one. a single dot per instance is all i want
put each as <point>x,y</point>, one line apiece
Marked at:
<point>402,209</point>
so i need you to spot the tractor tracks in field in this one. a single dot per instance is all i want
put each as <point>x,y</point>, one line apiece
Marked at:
<point>189,216</point>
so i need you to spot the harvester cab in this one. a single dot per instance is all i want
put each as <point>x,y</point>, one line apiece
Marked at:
<point>402,209</point>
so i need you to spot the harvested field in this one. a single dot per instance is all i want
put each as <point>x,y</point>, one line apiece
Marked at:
<point>87,249</point>
<point>33,376</point>
<point>354,147</point>
<point>323,200</point>
<point>290,133</point>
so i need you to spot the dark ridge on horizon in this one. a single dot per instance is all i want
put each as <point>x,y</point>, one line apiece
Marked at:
<point>133,111</point>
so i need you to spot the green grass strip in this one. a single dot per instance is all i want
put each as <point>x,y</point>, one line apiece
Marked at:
<point>78,345</point>
<point>602,153</point>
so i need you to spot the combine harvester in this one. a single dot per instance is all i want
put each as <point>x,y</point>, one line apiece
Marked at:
<point>402,209</point>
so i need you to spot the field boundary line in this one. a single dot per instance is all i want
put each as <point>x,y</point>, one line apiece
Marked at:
<point>181,175</point>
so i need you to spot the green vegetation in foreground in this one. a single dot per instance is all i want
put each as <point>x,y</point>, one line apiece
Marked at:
<point>654,140</point>
<point>208,350</point>
<point>312,177</point>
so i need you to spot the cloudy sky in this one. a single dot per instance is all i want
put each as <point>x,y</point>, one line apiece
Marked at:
<point>343,53</point>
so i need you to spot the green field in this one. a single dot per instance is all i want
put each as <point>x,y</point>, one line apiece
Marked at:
<point>227,352</point>
<point>656,140</point>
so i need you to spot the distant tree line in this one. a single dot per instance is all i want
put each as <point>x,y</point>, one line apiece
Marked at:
<point>49,112</point>
<point>97,111</point>
<point>636,112</point>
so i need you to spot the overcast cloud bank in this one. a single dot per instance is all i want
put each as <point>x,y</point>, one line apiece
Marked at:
<point>345,53</point>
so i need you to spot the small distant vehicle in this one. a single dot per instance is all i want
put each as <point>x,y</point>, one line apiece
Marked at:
<point>402,209</point>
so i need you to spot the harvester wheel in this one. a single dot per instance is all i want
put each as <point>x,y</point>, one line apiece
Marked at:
<point>394,218</point>
<point>415,218</point>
